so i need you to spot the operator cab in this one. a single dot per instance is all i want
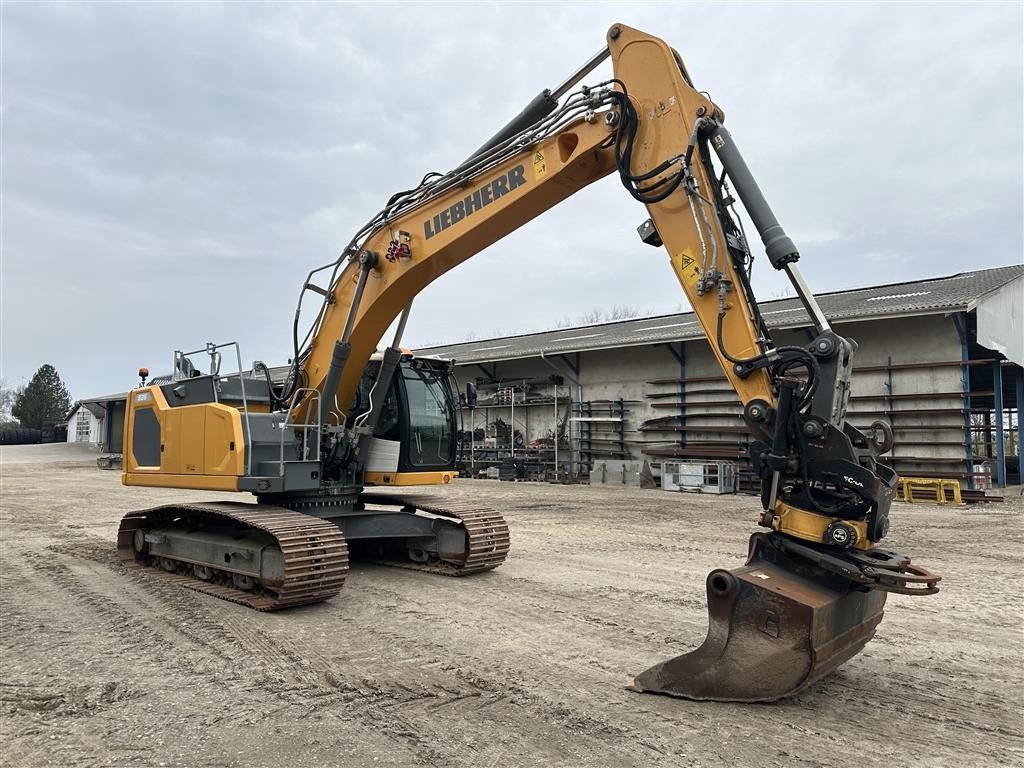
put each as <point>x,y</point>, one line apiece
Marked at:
<point>416,431</point>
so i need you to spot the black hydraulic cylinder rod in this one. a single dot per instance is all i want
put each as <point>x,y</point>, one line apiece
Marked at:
<point>779,247</point>
<point>542,105</point>
<point>781,250</point>
<point>342,347</point>
<point>367,261</point>
<point>339,357</point>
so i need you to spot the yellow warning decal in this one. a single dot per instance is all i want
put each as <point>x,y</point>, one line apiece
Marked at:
<point>540,165</point>
<point>689,269</point>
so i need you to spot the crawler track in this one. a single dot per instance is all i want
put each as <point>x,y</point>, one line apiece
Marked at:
<point>315,553</point>
<point>486,531</point>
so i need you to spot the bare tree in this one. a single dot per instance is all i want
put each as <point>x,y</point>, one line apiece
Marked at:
<point>597,315</point>
<point>785,292</point>
<point>8,396</point>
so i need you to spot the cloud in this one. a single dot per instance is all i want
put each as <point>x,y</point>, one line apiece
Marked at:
<point>171,171</point>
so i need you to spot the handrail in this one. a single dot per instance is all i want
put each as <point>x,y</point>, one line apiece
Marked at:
<point>297,395</point>
<point>212,350</point>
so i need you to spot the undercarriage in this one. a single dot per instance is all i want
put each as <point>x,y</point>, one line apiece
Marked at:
<point>269,557</point>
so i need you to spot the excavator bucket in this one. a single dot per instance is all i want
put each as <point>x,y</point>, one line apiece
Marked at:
<point>774,628</point>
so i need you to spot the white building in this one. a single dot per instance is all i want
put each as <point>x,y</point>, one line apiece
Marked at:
<point>98,421</point>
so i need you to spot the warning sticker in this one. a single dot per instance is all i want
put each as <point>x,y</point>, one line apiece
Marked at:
<point>540,165</point>
<point>689,270</point>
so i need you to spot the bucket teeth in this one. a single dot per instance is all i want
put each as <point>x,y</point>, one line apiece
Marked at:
<point>771,632</point>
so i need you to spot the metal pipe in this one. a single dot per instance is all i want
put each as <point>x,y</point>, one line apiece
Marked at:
<point>803,293</point>
<point>589,66</point>
<point>400,331</point>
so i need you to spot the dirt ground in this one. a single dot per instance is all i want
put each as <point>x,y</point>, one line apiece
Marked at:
<point>525,665</point>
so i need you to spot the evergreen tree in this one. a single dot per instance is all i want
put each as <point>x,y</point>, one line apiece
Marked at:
<point>44,399</point>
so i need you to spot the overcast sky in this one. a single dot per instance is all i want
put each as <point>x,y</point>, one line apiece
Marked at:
<point>171,171</point>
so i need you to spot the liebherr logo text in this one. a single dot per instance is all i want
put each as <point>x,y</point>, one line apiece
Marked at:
<point>851,481</point>
<point>481,198</point>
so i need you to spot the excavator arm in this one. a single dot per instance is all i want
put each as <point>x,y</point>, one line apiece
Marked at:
<point>813,589</point>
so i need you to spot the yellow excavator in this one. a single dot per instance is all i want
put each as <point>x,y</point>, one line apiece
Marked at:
<point>347,417</point>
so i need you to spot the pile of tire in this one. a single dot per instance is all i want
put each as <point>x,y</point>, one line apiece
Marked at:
<point>20,436</point>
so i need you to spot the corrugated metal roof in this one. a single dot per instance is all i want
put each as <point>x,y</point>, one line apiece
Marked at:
<point>96,405</point>
<point>920,297</point>
<point>103,399</point>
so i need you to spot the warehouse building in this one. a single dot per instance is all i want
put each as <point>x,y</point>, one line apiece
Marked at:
<point>938,359</point>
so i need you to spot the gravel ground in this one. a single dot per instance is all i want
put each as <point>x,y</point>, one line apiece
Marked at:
<point>525,665</point>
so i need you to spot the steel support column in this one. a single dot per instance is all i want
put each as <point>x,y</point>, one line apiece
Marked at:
<point>997,386</point>
<point>1020,407</point>
<point>108,424</point>
<point>960,323</point>
<point>680,356</point>
<point>682,392</point>
<point>577,461</point>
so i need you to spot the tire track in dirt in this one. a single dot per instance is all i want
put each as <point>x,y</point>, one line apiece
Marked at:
<point>475,692</point>
<point>526,667</point>
<point>313,679</point>
<point>230,648</point>
<point>173,632</point>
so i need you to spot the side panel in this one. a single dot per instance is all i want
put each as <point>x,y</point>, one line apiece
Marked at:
<point>192,439</point>
<point>171,448</point>
<point>224,447</point>
<point>144,430</point>
<point>195,446</point>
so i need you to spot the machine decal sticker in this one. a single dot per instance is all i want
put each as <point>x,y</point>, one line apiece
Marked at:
<point>689,270</point>
<point>472,203</point>
<point>540,165</point>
